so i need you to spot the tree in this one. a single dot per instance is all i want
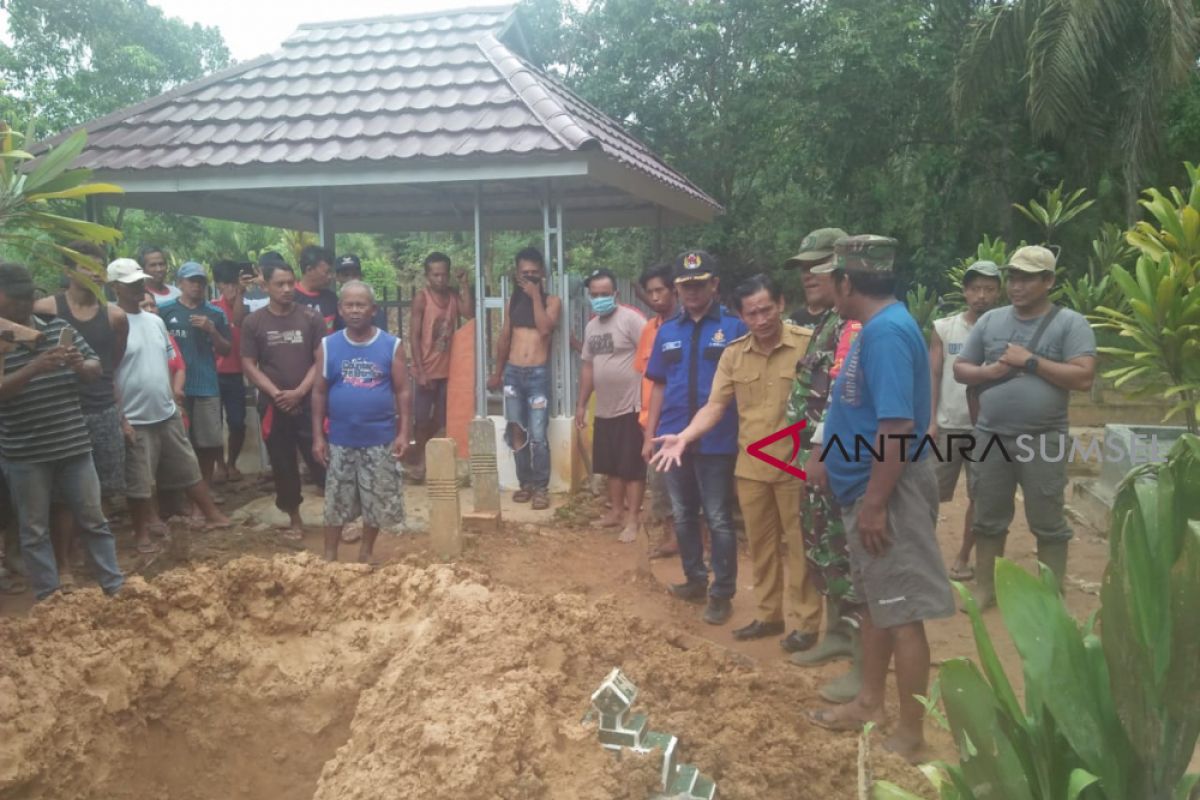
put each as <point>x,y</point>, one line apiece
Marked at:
<point>72,60</point>
<point>1098,75</point>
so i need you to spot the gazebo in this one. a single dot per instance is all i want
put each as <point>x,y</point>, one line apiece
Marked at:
<point>419,122</point>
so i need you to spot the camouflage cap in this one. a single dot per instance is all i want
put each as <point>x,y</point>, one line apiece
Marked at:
<point>865,252</point>
<point>816,247</point>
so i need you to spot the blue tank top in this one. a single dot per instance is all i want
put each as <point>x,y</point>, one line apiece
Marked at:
<point>362,408</point>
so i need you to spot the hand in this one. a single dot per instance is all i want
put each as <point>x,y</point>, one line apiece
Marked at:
<point>203,323</point>
<point>872,528</point>
<point>179,398</point>
<point>74,358</point>
<point>531,288</point>
<point>581,418</point>
<point>648,448</point>
<point>494,381</point>
<point>52,359</point>
<point>245,281</point>
<point>128,432</point>
<point>400,446</point>
<point>320,451</point>
<point>460,277</point>
<point>814,471</point>
<point>998,371</point>
<point>289,400</point>
<point>670,455</point>
<point>933,430</point>
<point>422,380</point>
<point>1015,356</point>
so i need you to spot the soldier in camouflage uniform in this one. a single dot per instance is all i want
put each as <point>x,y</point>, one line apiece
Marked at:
<point>821,519</point>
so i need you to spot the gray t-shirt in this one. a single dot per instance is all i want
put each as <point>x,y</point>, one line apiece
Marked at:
<point>1026,403</point>
<point>610,343</point>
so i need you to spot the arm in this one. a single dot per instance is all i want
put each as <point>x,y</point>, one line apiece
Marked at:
<point>1076,374</point>
<point>885,472</point>
<point>320,402</point>
<point>220,335</point>
<point>11,385</point>
<point>975,374</point>
<point>719,396</point>
<point>546,319</point>
<point>653,415</point>
<point>119,321</point>
<point>416,321</point>
<point>178,380</point>
<point>400,391</point>
<point>937,359</point>
<point>259,378</point>
<point>238,307</point>
<point>586,384</point>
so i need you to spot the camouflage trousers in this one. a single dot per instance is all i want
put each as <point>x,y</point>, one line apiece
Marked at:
<point>826,552</point>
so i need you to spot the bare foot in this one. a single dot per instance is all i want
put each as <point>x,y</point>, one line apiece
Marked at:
<point>906,745</point>
<point>628,534</point>
<point>232,474</point>
<point>608,520</point>
<point>217,521</point>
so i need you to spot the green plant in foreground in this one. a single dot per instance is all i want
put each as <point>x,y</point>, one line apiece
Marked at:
<point>29,224</point>
<point>1111,717</point>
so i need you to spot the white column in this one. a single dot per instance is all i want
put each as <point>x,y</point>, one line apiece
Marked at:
<point>481,356</point>
<point>326,231</point>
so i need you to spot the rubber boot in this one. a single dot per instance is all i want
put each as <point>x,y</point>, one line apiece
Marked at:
<point>835,645</point>
<point>987,550</point>
<point>1053,553</point>
<point>846,687</point>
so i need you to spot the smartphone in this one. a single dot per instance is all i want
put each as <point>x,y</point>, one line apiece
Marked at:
<point>66,338</point>
<point>247,268</point>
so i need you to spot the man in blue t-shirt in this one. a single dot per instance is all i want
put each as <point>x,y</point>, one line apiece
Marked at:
<point>682,365</point>
<point>202,333</point>
<point>362,385</point>
<point>868,456</point>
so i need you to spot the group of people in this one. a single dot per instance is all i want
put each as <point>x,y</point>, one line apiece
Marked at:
<point>132,397</point>
<point>701,404</point>
<point>717,399</point>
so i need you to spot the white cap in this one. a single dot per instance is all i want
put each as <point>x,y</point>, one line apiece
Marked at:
<point>126,270</point>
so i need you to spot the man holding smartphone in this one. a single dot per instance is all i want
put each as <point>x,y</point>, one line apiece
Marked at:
<point>521,367</point>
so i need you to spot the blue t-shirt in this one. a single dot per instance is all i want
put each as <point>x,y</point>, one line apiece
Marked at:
<point>362,407</point>
<point>685,357</point>
<point>886,376</point>
<point>195,345</point>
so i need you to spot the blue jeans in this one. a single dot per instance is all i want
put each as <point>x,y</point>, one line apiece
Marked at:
<point>705,482</point>
<point>527,406</point>
<point>78,487</point>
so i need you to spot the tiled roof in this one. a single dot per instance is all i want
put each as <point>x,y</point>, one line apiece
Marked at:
<point>431,86</point>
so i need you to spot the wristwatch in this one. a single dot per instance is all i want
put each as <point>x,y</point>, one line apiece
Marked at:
<point>1031,365</point>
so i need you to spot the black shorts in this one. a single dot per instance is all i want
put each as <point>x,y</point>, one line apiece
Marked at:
<point>617,447</point>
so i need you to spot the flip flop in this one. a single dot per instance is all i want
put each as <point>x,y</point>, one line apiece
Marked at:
<point>289,535</point>
<point>659,552</point>
<point>830,720</point>
<point>218,526</point>
<point>964,574</point>
<point>158,530</point>
<point>149,548</point>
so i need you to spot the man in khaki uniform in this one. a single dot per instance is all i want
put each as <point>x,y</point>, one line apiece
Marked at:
<point>758,370</point>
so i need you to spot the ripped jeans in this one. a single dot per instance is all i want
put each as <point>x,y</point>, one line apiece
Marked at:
<point>527,410</point>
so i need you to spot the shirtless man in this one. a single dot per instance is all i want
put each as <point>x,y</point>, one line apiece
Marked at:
<point>521,367</point>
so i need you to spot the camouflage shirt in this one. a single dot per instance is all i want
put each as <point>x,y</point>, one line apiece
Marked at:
<point>814,379</point>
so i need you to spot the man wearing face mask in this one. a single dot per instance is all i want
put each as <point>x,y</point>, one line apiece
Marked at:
<point>610,345</point>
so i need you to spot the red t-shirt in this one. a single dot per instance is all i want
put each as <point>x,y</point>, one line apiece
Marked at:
<point>230,364</point>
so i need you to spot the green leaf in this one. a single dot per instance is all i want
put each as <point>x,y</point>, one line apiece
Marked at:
<point>57,160</point>
<point>1080,780</point>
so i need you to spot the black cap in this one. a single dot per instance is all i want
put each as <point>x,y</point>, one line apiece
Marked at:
<point>272,258</point>
<point>349,262</point>
<point>600,273</point>
<point>695,265</point>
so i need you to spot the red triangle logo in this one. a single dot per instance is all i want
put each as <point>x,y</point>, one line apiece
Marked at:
<point>756,449</point>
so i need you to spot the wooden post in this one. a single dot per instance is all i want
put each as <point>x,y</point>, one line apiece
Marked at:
<point>441,480</point>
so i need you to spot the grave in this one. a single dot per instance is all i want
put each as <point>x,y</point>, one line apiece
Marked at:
<point>1124,448</point>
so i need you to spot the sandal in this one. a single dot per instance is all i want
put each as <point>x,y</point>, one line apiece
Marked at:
<point>291,535</point>
<point>830,720</point>
<point>522,496</point>
<point>960,574</point>
<point>660,552</point>
<point>11,584</point>
<point>159,530</point>
<point>149,548</point>
<point>541,501</point>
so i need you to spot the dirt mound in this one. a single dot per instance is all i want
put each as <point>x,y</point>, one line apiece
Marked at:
<point>291,679</point>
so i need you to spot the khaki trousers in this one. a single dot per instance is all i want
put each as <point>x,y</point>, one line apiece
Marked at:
<point>772,515</point>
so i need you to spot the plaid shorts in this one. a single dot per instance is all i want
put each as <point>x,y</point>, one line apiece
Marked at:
<point>363,481</point>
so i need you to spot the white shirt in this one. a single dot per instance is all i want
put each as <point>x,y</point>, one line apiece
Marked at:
<point>143,377</point>
<point>952,410</point>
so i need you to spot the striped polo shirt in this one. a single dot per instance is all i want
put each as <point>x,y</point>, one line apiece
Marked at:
<point>43,422</point>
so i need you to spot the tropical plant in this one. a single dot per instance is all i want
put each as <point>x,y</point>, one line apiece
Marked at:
<point>1160,320</point>
<point>1106,717</point>
<point>923,304</point>
<point>30,187</point>
<point>1054,211</point>
<point>1108,248</point>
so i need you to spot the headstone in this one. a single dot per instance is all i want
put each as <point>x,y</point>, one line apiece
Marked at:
<point>445,519</point>
<point>485,477</point>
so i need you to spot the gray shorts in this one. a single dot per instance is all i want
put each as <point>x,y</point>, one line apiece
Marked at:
<point>908,582</point>
<point>163,452</point>
<point>363,481</point>
<point>204,422</point>
<point>953,462</point>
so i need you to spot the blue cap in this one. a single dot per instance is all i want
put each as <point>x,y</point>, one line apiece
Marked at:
<point>191,270</point>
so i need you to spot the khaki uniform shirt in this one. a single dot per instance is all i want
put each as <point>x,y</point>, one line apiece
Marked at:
<point>761,383</point>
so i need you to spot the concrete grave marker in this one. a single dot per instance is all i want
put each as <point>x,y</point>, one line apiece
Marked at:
<point>445,519</point>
